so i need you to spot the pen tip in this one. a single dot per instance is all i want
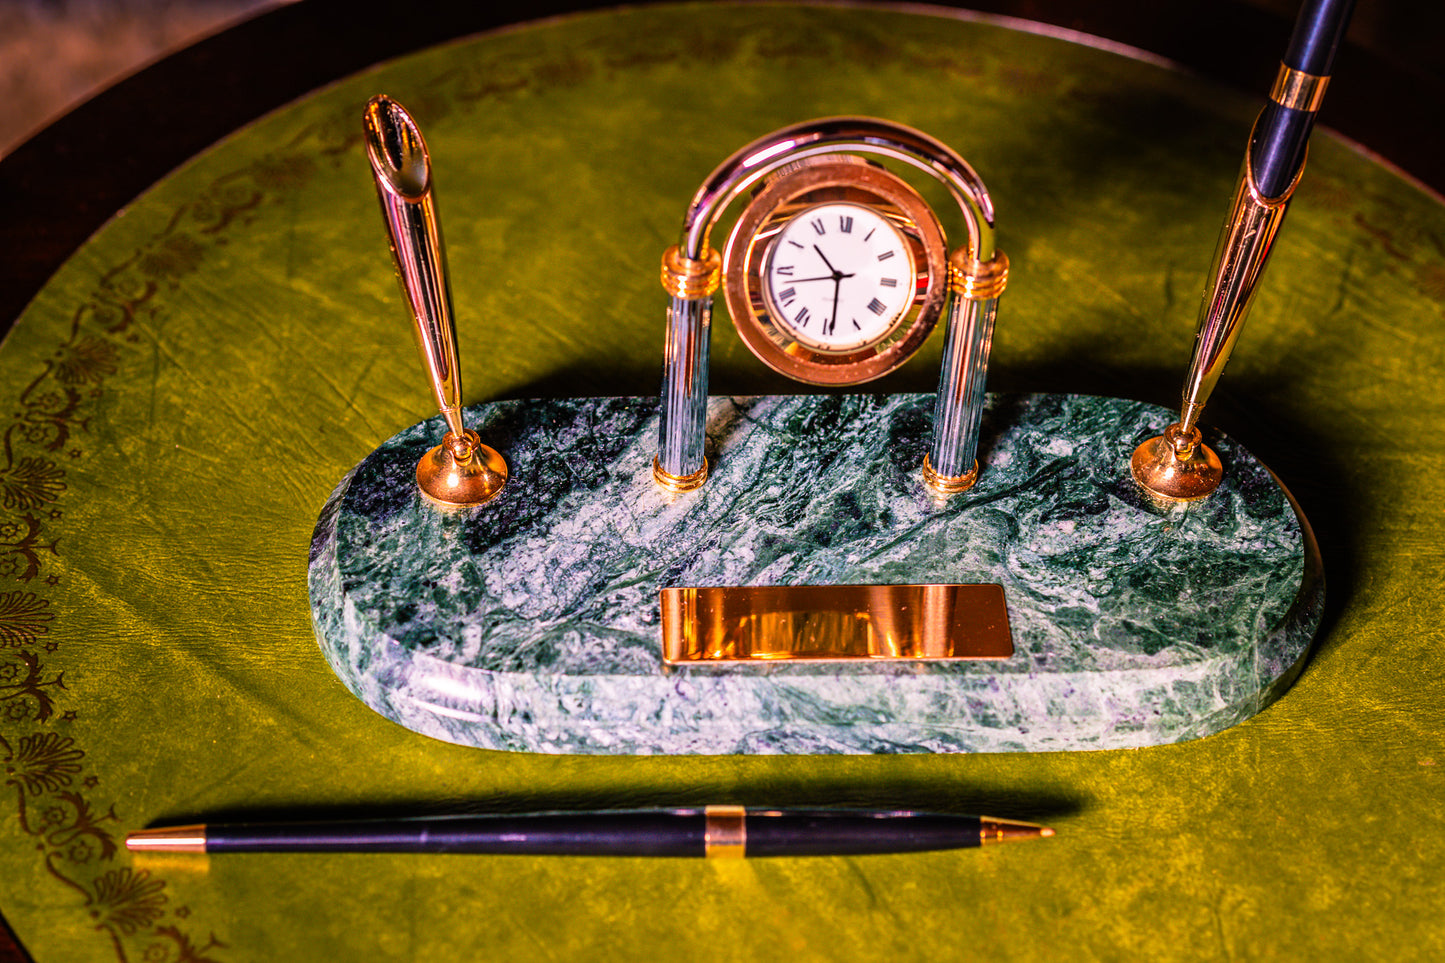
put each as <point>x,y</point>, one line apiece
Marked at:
<point>992,831</point>
<point>171,839</point>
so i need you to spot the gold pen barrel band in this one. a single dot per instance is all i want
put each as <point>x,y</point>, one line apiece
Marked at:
<point>725,832</point>
<point>684,277</point>
<point>1298,90</point>
<point>977,280</point>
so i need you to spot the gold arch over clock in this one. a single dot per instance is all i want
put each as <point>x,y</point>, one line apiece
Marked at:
<point>812,178</point>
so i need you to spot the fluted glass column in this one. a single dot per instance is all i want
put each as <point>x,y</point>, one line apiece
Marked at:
<point>681,432</point>
<point>958,411</point>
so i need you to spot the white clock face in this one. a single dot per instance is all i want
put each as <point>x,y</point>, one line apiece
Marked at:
<point>839,276</point>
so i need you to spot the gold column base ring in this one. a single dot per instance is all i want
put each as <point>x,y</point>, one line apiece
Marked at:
<point>679,483</point>
<point>948,484</point>
<point>1177,466</point>
<point>461,471</point>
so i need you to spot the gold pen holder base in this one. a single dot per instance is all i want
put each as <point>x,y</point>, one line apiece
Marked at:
<point>1177,466</point>
<point>461,471</point>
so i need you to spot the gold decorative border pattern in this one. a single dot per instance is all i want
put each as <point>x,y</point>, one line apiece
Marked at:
<point>58,796</point>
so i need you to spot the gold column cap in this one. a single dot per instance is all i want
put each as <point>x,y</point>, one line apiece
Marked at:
<point>685,277</point>
<point>977,280</point>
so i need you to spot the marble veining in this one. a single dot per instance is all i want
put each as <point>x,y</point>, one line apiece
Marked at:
<point>532,623</point>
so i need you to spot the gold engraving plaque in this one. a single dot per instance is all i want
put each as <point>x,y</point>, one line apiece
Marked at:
<point>834,623</point>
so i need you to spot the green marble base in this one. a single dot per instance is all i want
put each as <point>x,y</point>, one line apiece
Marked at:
<point>532,623</point>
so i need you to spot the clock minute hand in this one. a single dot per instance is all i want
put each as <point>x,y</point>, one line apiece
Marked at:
<point>837,290</point>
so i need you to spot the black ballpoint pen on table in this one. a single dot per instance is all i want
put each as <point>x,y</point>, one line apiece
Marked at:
<point>1177,465</point>
<point>712,831</point>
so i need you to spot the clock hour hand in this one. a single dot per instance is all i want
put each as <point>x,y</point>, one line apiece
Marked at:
<point>836,273</point>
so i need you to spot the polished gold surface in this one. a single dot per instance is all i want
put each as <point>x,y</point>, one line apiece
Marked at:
<point>834,623</point>
<point>685,277</point>
<point>1177,466</point>
<point>172,839</point>
<point>725,833</point>
<point>1298,90</point>
<point>461,471</point>
<point>815,180</point>
<point>992,831</point>
<point>977,280</point>
<point>948,484</point>
<point>1243,251</point>
<point>401,168</point>
<point>679,483</point>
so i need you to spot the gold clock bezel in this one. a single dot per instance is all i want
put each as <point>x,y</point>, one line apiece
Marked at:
<point>833,178</point>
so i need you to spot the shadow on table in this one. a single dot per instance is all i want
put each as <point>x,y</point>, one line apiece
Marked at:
<point>824,793</point>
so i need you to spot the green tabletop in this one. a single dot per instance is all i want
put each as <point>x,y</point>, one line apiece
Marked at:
<point>187,390</point>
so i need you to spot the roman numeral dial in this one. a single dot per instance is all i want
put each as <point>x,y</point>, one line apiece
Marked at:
<point>838,277</point>
<point>836,271</point>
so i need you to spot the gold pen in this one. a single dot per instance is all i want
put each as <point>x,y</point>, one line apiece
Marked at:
<point>1177,466</point>
<point>710,831</point>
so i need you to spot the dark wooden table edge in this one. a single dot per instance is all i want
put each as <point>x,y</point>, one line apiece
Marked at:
<point>10,948</point>
<point>126,138</point>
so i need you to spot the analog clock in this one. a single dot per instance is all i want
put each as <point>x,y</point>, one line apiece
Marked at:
<point>836,272</point>
<point>838,276</point>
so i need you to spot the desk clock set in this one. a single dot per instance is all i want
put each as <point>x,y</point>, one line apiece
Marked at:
<point>829,572</point>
